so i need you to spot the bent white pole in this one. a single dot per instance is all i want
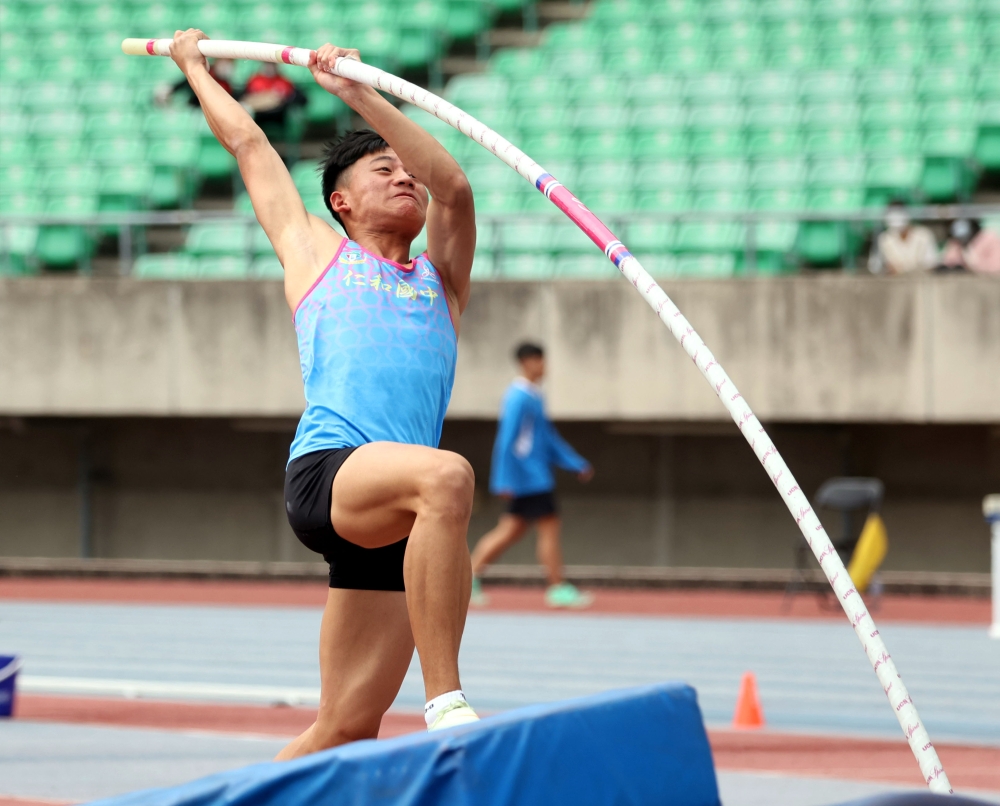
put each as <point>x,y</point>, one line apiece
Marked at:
<point>796,501</point>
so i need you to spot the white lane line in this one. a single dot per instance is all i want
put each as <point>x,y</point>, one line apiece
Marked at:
<point>133,689</point>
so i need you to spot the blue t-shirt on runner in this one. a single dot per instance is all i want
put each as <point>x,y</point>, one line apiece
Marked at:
<point>527,445</point>
<point>377,347</point>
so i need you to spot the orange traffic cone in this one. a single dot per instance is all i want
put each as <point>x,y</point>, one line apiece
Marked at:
<point>749,715</point>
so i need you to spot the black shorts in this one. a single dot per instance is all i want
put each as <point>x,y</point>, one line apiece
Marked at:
<point>308,490</point>
<point>533,507</point>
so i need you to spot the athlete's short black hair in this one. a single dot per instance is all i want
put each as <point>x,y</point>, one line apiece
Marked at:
<point>341,154</point>
<point>528,350</point>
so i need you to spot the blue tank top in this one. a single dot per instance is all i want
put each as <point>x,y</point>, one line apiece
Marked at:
<point>377,348</point>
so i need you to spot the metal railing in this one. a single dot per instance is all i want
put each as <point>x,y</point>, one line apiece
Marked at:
<point>124,226</point>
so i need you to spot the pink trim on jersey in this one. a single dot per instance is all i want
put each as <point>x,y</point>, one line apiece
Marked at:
<point>319,279</point>
<point>386,260</point>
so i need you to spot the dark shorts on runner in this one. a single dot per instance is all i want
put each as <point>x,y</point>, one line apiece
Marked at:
<point>308,492</point>
<point>533,507</point>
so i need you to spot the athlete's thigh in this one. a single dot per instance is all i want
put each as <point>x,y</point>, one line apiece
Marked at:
<point>377,490</point>
<point>365,649</point>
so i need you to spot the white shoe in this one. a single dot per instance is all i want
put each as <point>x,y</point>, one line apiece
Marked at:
<point>459,713</point>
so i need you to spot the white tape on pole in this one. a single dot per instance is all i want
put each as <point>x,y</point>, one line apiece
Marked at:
<point>751,428</point>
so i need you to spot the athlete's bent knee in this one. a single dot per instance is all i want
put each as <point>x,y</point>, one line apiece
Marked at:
<point>334,731</point>
<point>448,487</point>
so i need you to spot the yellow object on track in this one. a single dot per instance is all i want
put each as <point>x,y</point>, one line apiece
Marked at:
<point>869,553</point>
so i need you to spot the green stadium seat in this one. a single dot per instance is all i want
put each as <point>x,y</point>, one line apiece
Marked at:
<point>649,237</point>
<point>117,150</point>
<point>104,16</point>
<point>171,266</point>
<point>481,88</point>
<point>709,236</point>
<point>526,236</point>
<point>14,151</point>
<point>837,172</point>
<point>721,201</point>
<point>518,63</point>
<point>793,58</point>
<point>27,202</point>
<point>945,82</point>
<point>97,96</point>
<point>890,112</point>
<point>706,266</point>
<point>905,54</point>
<point>770,87</point>
<point>949,141</point>
<point>716,116</point>
<point>164,123</point>
<point>19,179</point>
<point>157,19</point>
<point>567,238</point>
<point>784,32</point>
<point>607,174</point>
<point>773,115</point>
<point>48,96</point>
<point>774,142</point>
<point>222,267</point>
<point>615,144</point>
<point>543,119</point>
<point>778,199</point>
<point>57,124</point>
<point>966,54</point>
<point>778,173</point>
<point>545,145</point>
<point>213,161</point>
<point>124,187</point>
<point>17,245</point>
<point>69,179</point>
<point>894,8</point>
<point>10,98</point>
<point>830,114</point>
<point>525,266</point>
<point>835,199</point>
<point>658,118</point>
<point>987,150</point>
<point>64,245</point>
<point>68,67</point>
<point>779,10</point>
<point>835,9</point>
<point>717,143</point>
<point>988,83</point>
<point>887,83</point>
<point>656,174</point>
<point>841,32</point>
<point>598,118</point>
<point>846,57</point>
<point>891,177</point>
<point>828,85</point>
<point>833,142</point>
<point>584,267</point>
<point>54,152</point>
<point>595,89</point>
<point>633,62</point>
<point>465,18</point>
<point>497,201</point>
<point>41,17</point>
<point>899,140</point>
<point>666,200</point>
<point>823,243</point>
<point>488,174</point>
<point>691,58</point>
<point>948,28</point>
<point>656,88</point>
<point>953,112</point>
<point>220,238</point>
<point>892,31</point>
<point>610,201</point>
<point>712,88</point>
<point>774,236</point>
<point>615,11</point>
<point>720,175</point>
<point>663,144</point>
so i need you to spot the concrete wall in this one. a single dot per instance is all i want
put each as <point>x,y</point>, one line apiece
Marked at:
<point>670,494</point>
<point>834,348</point>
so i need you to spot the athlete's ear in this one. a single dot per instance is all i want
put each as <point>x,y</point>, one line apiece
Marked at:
<point>339,203</point>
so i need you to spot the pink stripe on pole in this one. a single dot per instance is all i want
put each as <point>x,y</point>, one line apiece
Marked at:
<point>149,47</point>
<point>286,55</point>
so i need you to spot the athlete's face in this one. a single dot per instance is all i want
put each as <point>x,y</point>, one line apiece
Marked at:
<point>381,194</point>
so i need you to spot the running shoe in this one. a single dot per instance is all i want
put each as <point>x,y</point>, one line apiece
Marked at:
<point>479,599</point>
<point>567,595</point>
<point>458,713</point>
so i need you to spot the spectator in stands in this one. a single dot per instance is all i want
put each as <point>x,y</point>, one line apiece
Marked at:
<point>221,70</point>
<point>270,95</point>
<point>903,247</point>
<point>973,247</point>
<point>526,447</point>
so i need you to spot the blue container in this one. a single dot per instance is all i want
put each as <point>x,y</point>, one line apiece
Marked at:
<point>9,665</point>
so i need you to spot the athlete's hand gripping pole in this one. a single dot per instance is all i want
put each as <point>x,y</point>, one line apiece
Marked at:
<point>796,501</point>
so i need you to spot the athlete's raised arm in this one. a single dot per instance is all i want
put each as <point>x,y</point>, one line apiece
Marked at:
<point>451,218</point>
<point>276,202</point>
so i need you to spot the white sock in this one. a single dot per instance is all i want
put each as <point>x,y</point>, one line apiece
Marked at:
<point>442,701</point>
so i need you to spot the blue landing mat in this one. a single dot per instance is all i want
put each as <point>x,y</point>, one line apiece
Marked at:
<point>642,746</point>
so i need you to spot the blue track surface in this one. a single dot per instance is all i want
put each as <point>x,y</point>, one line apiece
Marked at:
<point>639,747</point>
<point>813,676</point>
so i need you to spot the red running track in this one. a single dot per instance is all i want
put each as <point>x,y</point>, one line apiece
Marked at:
<point>617,601</point>
<point>969,767</point>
